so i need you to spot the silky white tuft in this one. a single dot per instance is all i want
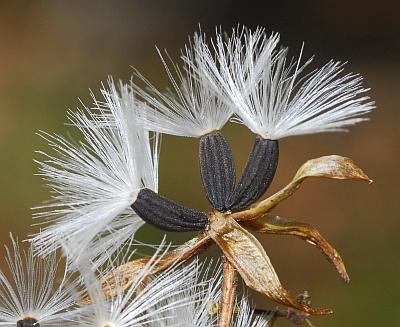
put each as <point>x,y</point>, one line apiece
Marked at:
<point>139,305</point>
<point>205,291</point>
<point>269,94</point>
<point>95,181</point>
<point>246,316</point>
<point>32,291</point>
<point>202,309</point>
<point>190,109</point>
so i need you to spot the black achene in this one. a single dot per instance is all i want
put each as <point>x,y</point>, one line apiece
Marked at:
<point>217,170</point>
<point>166,214</point>
<point>219,178</point>
<point>257,175</point>
<point>28,322</point>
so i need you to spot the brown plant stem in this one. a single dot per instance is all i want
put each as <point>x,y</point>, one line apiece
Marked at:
<point>227,294</point>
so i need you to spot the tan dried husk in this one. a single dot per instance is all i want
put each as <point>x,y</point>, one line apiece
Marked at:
<point>249,258</point>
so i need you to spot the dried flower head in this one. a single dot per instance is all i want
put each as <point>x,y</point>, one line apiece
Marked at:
<point>250,74</point>
<point>115,167</point>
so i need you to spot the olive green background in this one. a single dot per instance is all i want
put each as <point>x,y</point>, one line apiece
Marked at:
<point>52,52</point>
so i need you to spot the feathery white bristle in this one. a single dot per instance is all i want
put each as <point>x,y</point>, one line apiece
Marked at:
<point>235,60</point>
<point>139,305</point>
<point>190,109</point>
<point>247,318</point>
<point>270,96</point>
<point>203,310</point>
<point>205,289</point>
<point>94,182</point>
<point>113,237</point>
<point>32,291</point>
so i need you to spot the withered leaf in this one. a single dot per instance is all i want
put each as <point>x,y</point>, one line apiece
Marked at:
<point>248,257</point>
<point>272,224</point>
<point>334,167</point>
<point>121,278</point>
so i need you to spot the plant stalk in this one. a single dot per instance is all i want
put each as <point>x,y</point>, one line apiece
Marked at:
<point>227,294</point>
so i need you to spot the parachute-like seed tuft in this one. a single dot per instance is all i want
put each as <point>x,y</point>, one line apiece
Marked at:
<point>271,95</point>
<point>32,294</point>
<point>202,309</point>
<point>140,304</point>
<point>94,181</point>
<point>205,291</point>
<point>246,316</point>
<point>189,108</point>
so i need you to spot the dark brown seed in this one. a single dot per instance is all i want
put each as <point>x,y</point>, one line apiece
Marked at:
<point>217,169</point>
<point>257,175</point>
<point>166,214</point>
<point>28,322</point>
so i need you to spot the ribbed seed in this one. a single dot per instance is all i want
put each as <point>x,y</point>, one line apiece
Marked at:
<point>257,175</point>
<point>166,214</point>
<point>217,169</point>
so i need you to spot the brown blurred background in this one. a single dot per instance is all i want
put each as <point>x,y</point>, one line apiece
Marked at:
<point>52,52</point>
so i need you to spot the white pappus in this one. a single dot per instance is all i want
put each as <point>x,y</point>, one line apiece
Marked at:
<point>205,292</point>
<point>204,310</point>
<point>32,297</point>
<point>246,316</point>
<point>269,93</point>
<point>94,182</point>
<point>189,108</point>
<point>140,303</point>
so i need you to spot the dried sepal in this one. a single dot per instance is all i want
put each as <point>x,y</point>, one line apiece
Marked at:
<point>248,257</point>
<point>123,276</point>
<point>272,224</point>
<point>334,167</point>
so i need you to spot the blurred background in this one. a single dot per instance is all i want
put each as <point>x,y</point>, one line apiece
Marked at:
<point>52,52</point>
